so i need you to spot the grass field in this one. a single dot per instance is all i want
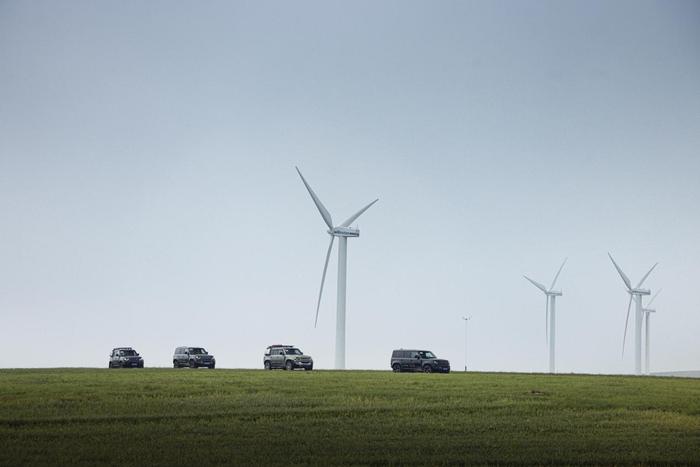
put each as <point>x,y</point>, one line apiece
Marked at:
<point>196,417</point>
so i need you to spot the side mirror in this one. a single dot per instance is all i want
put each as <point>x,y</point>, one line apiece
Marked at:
<point>417,356</point>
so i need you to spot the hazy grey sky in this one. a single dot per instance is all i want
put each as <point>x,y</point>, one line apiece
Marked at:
<point>148,195</point>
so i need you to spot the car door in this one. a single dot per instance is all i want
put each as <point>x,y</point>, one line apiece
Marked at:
<point>278,358</point>
<point>406,361</point>
<point>415,360</point>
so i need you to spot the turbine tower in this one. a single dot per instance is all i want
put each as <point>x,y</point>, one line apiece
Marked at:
<point>636,294</point>
<point>343,232</point>
<point>647,312</point>
<point>550,297</point>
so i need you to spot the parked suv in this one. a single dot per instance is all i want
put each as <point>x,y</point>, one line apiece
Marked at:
<point>287,357</point>
<point>193,357</point>
<point>125,357</point>
<point>418,360</point>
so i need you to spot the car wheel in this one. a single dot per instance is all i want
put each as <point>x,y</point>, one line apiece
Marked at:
<point>175,364</point>
<point>193,364</point>
<point>427,369</point>
<point>396,367</point>
<point>289,366</point>
<point>309,368</point>
<point>211,367</point>
<point>267,366</point>
<point>109,365</point>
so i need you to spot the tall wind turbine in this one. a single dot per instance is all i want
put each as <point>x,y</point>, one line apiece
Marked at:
<point>647,312</point>
<point>343,232</point>
<point>550,297</point>
<point>636,294</point>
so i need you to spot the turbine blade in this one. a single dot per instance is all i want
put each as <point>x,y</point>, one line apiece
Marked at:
<point>321,208</point>
<point>352,218</point>
<point>558,272</point>
<point>323,278</point>
<point>537,284</point>
<point>625,279</point>
<point>654,297</point>
<point>624,336</point>
<point>646,275</point>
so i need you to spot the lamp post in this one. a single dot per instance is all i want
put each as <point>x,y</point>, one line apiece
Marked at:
<point>466,320</point>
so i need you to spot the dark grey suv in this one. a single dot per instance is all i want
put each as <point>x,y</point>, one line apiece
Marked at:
<point>418,360</point>
<point>193,357</point>
<point>125,357</point>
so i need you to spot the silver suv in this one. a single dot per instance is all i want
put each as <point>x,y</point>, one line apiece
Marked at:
<point>193,357</point>
<point>287,357</point>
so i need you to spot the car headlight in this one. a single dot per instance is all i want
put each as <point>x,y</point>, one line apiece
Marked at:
<point>197,357</point>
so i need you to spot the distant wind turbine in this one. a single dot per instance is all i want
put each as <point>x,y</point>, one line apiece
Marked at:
<point>550,297</point>
<point>647,312</point>
<point>342,231</point>
<point>636,293</point>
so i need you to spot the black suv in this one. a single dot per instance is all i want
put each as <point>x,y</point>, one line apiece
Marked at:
<point>125,357</point>
<point>418,360</point>
<point>193,357</point>
<point>287,357</point>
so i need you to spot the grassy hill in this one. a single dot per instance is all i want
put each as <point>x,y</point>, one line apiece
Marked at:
<point>196,417</point>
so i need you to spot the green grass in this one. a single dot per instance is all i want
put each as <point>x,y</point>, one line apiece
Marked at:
<point>167,417</point>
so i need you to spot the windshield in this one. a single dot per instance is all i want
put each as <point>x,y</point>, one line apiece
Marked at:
<point>197,351</point>
<point>128,353</point>
<point>293,352</point>
<point>426,354</point>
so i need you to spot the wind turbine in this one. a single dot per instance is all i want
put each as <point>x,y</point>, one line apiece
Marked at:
<point>647,312</point>
<point>550,297</point>
<point>343,232</point>
<point>636,293</point>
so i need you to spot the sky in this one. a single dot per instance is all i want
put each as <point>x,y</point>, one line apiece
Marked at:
<point>148,196</point>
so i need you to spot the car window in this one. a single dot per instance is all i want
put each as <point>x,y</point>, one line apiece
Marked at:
<point>414,354</point>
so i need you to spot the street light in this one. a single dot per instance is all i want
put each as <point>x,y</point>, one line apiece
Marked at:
<point>466,319</point>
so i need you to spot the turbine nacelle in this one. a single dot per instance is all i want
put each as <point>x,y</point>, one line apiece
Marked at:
<point>554,293</point>
<point>344,232</point>
<point>639,292</point>
<point>647,310</point>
